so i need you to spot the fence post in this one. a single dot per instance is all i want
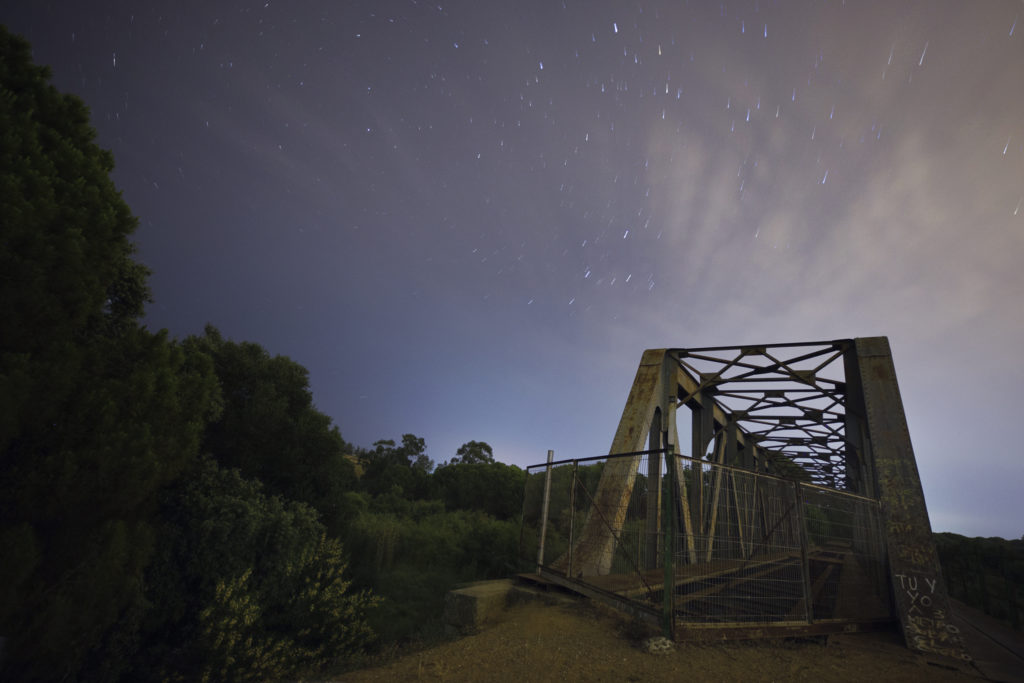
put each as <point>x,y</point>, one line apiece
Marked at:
<point>544,511</point>
<point>668,546</point>
<point>572,515</point>
<point>805,569</point>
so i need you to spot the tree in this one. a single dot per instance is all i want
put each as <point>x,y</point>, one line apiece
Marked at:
<point>66,260</point>
<point>494,488</point>
<point>412,453</point>
<point>96,413</point>
<point>403,470</point>
<point>270,430</point>
<point>473,452</point>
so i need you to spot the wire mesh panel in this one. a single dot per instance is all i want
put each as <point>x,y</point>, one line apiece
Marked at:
<point>603,522</point>
<point>556,529</point>
<point>846,555</point>
<point>738,547</point>
<point>746,547</point>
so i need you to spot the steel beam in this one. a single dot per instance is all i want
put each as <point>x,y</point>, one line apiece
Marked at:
<point>653,521</point>
<point>595,544</point>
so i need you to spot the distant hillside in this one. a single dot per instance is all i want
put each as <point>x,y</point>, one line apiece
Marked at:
<point>985,573</point>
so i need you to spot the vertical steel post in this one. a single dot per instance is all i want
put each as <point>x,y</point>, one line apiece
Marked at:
<point>669,545</point>
<point>544,511</point>
<point>572,516</point>
<point>653,498</point>
<point>697,447</point>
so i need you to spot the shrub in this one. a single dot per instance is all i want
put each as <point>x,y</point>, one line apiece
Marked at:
<point>248,586</point>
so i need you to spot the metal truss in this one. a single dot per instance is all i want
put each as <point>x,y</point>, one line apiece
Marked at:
<point>788,400</point>
<point>819,414</point>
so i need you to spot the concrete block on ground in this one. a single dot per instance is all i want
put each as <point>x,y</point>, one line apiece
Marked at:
<point>468,609</point>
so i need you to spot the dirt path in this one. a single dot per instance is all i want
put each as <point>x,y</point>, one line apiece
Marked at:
<point>581,642</point>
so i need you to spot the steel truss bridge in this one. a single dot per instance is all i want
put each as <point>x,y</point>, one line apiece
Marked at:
<point>787,500</point>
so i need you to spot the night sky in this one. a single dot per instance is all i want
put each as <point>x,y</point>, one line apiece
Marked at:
<point>469,219</point>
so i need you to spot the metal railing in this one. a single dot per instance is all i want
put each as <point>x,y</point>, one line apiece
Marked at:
<point>747,549</point>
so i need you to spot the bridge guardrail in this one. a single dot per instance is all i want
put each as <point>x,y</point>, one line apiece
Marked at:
<point>748,549</point>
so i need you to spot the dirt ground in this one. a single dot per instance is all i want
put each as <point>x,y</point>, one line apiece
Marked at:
<point>583,642</point>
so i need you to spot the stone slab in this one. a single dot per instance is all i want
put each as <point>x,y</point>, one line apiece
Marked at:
<point>470,608</point>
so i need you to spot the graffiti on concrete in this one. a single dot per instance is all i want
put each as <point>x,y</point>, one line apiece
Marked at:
<point>928,628</point>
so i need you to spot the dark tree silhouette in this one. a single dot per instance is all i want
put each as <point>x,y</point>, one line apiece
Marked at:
<point>96,413</point>
<point>473,452</point>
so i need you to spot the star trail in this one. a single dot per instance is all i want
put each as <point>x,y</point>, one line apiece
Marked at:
<point>469,219</point>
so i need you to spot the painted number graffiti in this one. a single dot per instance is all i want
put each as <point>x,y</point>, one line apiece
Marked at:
<point>928,627</point>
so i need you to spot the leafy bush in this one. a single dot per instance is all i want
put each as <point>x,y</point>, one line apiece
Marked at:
<point>412,560</point>
<point>494,488</point>
<point>247,586</point>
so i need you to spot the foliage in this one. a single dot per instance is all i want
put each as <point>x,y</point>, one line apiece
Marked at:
<point>83,504</point>
<point>96,414</point>
<point>413,559</point>
<point>494,488</point>
<point>404,470</point>
<point>985,573</point>
<point>586,476</point>
<point>65,258</point>
<point>124,553</point>
<point>473,452</point>
<point>247,586</point>
<point>270,430</point>
<point>411,454</point>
